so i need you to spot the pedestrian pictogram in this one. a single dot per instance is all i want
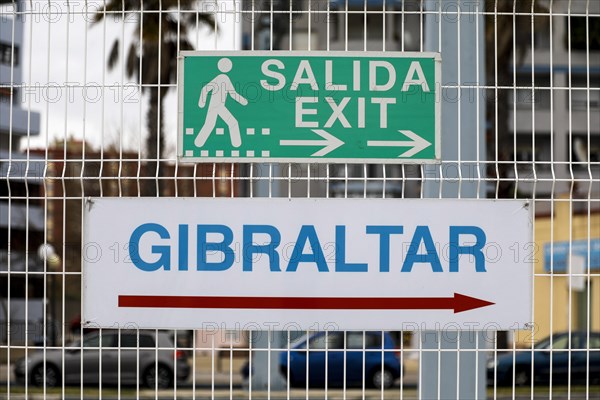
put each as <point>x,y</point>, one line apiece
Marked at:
<point>219,89</point>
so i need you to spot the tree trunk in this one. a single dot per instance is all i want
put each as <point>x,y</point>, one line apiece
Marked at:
<point>154,144</point>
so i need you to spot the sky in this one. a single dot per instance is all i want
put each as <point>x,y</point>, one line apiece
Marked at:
<point>64,59</point>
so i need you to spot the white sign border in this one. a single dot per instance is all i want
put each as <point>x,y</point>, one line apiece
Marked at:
<point>451,326</point>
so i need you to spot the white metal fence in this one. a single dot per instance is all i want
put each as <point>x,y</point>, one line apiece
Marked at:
<point>83,84</point>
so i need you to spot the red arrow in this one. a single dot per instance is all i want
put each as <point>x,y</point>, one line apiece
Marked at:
<point>458,303</point>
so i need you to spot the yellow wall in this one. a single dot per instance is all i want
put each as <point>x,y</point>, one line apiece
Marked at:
<point>552,296</point>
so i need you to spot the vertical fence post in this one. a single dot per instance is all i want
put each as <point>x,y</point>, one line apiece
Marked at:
<point>450,376</point>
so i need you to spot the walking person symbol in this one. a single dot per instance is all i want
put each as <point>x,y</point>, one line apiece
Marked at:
<point>221,88</point>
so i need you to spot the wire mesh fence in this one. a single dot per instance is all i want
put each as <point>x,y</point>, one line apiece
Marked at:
<point>88,108</point>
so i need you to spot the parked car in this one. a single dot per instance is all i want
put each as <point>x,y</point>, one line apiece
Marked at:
<point>154,361</point>
<point>360,356</point>
<point>555,353</point>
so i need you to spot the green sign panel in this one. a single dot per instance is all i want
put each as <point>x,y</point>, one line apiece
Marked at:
<point>333,107</point>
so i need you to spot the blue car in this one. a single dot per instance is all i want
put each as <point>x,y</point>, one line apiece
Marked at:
<point>355,356</point>
<point>584,361</point>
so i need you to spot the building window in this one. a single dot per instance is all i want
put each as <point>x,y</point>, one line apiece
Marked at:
<point>585,31</point>
<point>583,151</point>
<point>355,18</point>
<point>526,94</point>
<point>579,95</point>
<point>356,25</point>
<point>529,154</point>
<point>541,33</point>
<point>6,54</point>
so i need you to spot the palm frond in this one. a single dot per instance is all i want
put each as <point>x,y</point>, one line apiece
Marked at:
<point>113,55</point>
<point>196,20</point>
<point>112,7</point>
<point>133,60</point>
<point>185,44</point>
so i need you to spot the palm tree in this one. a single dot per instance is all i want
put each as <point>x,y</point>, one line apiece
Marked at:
<point>161,32</point>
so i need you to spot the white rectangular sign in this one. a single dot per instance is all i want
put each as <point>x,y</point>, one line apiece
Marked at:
<point>315,264</point>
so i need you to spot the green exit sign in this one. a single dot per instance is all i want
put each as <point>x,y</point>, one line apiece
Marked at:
<point>333,107</point>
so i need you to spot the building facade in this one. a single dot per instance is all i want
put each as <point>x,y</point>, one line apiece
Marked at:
<point>21,210</point>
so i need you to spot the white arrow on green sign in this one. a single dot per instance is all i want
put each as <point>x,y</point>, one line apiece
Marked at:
<point>333,107</point>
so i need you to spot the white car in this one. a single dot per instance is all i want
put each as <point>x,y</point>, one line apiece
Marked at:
<point>150,359</point>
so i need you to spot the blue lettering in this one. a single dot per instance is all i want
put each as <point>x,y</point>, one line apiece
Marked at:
<point>164,261</point>
<point>269,249</point>
<point>224,247</point>
<point>422,234</point>
<point>183,247</point>
<point>221,239</point>
<point>307,234</point>
<point>340,254</point>
<point>384,233</point>
<point>476,250</point>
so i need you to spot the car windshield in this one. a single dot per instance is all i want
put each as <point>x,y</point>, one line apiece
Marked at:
<point>557,343</point>
<point>93,340</point>
<point>316,340</point>
<point>298,341</point>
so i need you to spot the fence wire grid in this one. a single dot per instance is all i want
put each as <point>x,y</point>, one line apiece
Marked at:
<point>88,108</point>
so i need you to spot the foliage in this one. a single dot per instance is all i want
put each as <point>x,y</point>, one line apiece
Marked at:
<point>161,31</point>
